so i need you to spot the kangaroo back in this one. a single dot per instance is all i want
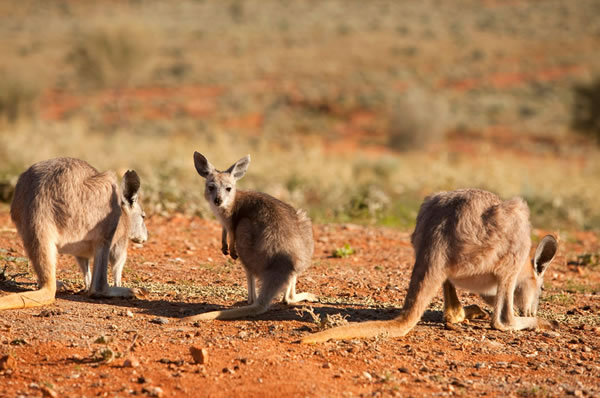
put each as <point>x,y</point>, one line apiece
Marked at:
<point>473,239</point>
<point>65,198</point>
<point>64,205</point>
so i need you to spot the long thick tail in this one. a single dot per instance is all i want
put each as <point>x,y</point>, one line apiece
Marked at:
<point>233,313</point>
<point>424,283</point>
<point>392,328</point>
<point>36,298</point>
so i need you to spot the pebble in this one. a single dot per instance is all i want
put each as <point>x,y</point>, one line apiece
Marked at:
<point>7,362</point>
<point>160,321</point>
<point>551,333</point>
<point>200,355</point>
<point>326,365</point>
<point>48,392</point>
<point>153,391</point>
<point>367,375</point>
<point>129,314</point>
<point>131,362</point>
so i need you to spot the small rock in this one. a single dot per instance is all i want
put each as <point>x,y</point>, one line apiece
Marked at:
<point>403,370</point>
<point>34,386</point>
<point>160,321</point>
<point>200,355</point>
<point>367,375</point>
<point>229,371</point>
<point>48,392</point>
<point>326,365</point>
<point>551,333</point>
<point>153,391</point>
<point>131,362</point>
<point>129,314</point>
<point>8,362</point>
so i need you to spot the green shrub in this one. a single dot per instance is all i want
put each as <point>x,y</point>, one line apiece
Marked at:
<point>343,252</point>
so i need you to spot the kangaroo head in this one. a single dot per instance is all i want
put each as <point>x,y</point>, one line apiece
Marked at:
<point>220,186</point>
<point>130,187</point>
<point>529,285</point>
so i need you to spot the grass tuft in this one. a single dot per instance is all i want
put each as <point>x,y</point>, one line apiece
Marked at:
<point>112,55</point>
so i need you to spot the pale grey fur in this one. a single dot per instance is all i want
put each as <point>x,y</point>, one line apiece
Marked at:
<point>472,239</point>
<point>66,206</point>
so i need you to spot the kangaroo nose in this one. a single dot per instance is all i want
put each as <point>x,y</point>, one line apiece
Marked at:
<point>218,201</point>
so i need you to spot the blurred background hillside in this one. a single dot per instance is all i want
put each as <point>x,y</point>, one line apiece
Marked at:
<point>353,110</point>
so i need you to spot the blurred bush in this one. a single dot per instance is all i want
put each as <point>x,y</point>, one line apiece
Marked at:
<point>586,109</point>
<point>417,118</point>
<point>113,56</point>
<point>18,94</point>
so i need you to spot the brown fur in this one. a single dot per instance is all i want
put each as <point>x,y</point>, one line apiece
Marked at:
<point>273,240</point>
<point>471,239</point>
<point>64,205</point>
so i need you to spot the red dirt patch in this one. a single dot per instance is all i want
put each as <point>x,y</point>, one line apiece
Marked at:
<point>181,266</point>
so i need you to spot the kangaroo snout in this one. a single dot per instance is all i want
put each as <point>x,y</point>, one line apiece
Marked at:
<point>218,201</point>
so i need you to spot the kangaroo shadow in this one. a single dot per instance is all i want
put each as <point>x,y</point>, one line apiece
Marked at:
<point>277,312</point>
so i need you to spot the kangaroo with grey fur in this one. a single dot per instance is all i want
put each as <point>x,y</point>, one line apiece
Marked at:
<point>273,240</point>
<point>66,206</point>
<point>471,239</point>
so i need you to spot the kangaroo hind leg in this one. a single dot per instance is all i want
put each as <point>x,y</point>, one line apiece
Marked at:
<point>43,258</point>
<point>291,297</point>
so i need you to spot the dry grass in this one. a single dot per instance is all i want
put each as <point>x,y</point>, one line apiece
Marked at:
<point>109,55</point>
<point>290,63</point>
<point>338,187</point>
<point>18,95</point>
<point>417,119</point>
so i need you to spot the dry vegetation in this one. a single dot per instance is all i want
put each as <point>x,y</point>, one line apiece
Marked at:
<point>300,86</point>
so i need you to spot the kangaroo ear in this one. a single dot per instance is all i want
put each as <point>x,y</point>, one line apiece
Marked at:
<point>130,186</point>
<point>203,167</point>
<point>239,168</point>
<point>544,254</point>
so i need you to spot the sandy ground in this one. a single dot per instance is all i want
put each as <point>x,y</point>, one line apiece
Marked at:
<point>82,347</point>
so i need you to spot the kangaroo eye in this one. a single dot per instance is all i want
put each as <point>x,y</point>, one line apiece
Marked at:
<point>143,215</point>
<point>211,188</point>
<point>228,189</point>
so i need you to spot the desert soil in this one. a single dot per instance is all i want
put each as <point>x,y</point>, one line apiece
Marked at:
<point>82,347</point>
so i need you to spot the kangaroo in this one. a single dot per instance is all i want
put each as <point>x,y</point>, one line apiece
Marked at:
<point>273,240</point>
<point>66,206</point>
<point>471,239</point>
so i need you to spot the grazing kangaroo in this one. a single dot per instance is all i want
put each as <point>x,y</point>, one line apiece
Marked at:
<point>471,239</point>
<point>66,206</point>
<point>273,240</point>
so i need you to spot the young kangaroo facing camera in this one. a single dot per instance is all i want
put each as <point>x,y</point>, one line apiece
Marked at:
<point>471,239</point>
<point>273,240</point>
<point>66,206</point>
